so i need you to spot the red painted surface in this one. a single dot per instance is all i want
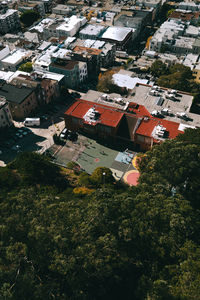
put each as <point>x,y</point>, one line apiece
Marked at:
<point>132,178</point>
<point>108,116</point>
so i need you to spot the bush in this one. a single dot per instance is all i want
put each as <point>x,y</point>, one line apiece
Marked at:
<point>27,67</point>
<point>102,175</point>
<point>81,191</point>
<point>73,166</point>
<point>84,179</point>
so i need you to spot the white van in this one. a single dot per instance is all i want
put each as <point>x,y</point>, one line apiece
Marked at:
<point>32,122</point>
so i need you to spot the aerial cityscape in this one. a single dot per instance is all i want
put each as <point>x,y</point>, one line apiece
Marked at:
<point>99,120</point>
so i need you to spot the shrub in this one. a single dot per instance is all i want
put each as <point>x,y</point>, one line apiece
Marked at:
<point>82,191</point>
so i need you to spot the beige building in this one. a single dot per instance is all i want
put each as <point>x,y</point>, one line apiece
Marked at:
<point>22,100</point>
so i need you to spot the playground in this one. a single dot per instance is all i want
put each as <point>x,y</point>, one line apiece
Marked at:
<point>90,154</point>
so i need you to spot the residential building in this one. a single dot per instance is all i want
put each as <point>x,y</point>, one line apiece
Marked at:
<point>120,36</point>
<point>15,59</point>
<point>37,6</point>
<point>62,9</point>
<point>74,71</point>
<point>93,32</point>
<point>182,45</point>
<point>166,35</point>
<point>22,100</point>
<point>137,21</point>
<point>5,114</point>
<point>196,46</point>
<point>4,51</point>
<point>9,19</point>
<point>184,15</point>
<point>91,56</point>
<point>107,54</point>
<point>69,27</point>
<point>189,6</point>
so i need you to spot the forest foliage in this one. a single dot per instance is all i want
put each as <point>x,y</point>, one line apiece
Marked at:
<point>103,240</point>
<point>177,77</point>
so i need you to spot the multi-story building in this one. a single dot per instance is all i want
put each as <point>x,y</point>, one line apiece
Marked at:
<point>62,9</point>
<point>92,57</point>
<point>120,36</point>
<point>74,71</point>
<point>22,100</point>
<point>137,21</point>
<point>135,124</point>
<point>107,54</point>
<point>5,114</point>
<point>92,31</point>
<point>14,59</point>
<point>69,27</point>
<point>9,19</point>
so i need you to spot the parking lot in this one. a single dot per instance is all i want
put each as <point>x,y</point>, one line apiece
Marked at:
<point>20,138</point>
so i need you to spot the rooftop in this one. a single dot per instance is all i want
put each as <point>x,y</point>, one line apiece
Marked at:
<point>148,125</point>
<point>8,13</point>
<point>15,94</point>
<point>91,51</point>
<point>159,100</point>
<point>16,57</point>
<point>65,64</point>
<point>94,30</point>
<point>106,115</point>
<point>116,33</point>
<point>127,81</point>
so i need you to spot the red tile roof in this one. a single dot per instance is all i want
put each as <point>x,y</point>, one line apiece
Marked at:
<point>91,51</point>
<point>147,126</point>
<point>138,110</point>
<point>184,16</point>
<point>108,116</point>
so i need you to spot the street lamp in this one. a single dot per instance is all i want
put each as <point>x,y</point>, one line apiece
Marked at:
<point>103,178</point>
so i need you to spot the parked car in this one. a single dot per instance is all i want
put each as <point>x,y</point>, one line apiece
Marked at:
<point>64,133</point>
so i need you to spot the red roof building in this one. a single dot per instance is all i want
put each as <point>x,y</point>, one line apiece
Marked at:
<point>154,131</point>
<point>93,118</point>
<point>135,124</point>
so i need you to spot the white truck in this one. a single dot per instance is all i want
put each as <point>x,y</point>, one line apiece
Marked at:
<point>32,122</point>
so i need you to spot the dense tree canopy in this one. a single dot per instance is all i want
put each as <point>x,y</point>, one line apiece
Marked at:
<point>28,17</point>
<point>113,242</point>
<point>177,77</point>
<point>158,68</point>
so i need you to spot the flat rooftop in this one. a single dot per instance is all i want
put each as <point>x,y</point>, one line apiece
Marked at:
<point>182,103</point>
<point>92,29</point>
<point>66,64</point>
<point>15,94</point>
<point>116,33</point>
<point>112,100</point>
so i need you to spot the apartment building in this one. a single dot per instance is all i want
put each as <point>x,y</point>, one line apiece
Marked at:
<point>5,114</point>
<point>9,19</point>
<point>22,100</point>
<point>74,71</point>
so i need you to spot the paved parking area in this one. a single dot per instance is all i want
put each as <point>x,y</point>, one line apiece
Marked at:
<point>40,138</point>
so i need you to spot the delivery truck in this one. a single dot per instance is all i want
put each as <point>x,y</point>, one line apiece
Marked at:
<point>32,122</point>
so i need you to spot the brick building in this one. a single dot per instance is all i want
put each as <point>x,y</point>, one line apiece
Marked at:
<point>134,125</point>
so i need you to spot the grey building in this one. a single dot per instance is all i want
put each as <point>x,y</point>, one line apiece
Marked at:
<point>9,19</point>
